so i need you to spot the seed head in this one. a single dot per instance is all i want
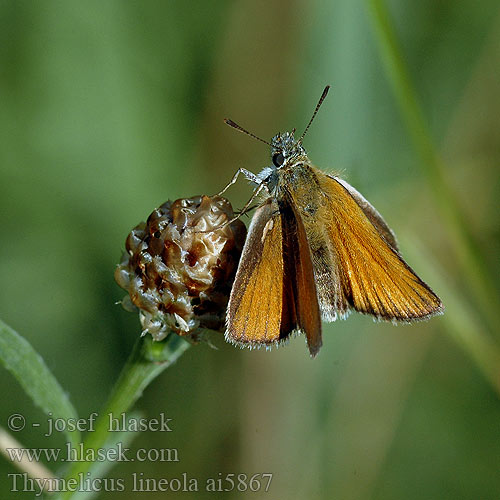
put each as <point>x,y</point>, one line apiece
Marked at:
<point>179,266</point>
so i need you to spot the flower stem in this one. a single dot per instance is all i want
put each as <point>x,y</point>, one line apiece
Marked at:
<point>147,360</point>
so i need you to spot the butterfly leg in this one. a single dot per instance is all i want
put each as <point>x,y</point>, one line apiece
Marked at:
<point>249,202</point>
<point>250,176</point>
<point>245,209</point>
<point>241,212</point>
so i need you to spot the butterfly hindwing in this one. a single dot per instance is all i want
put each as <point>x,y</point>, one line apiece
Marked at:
<point>299,268</point>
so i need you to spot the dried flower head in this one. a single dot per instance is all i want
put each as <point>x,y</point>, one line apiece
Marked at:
<point>180,265</point>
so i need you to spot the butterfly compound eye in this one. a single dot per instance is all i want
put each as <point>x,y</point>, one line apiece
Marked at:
<point>278,159</point>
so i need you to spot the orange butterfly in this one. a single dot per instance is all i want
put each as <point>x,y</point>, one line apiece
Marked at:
<point>316,248</point>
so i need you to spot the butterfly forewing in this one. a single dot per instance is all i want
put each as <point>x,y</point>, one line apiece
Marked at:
<point>371,213</point>
<point>374,277</point>
<point>255,306</point>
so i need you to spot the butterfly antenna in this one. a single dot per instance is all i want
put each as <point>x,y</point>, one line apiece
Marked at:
<point>241,129</point>
<point>320,102</point>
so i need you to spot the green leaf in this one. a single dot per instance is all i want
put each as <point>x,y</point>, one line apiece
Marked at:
<point>19,357</point>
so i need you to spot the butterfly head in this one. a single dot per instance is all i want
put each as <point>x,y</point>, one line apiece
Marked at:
<point>286,150</point>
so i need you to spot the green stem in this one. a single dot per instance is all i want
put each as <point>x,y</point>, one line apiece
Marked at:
<point>469,254</point>
<point>147,360</point>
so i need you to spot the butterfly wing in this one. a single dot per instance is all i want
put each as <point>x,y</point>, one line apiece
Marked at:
<point>356,258</point>
<point>267,299</point>
<point>371,213</point>
<point>299,270</point>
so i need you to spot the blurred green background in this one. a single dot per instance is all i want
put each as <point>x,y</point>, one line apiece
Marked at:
<point>110,108</point>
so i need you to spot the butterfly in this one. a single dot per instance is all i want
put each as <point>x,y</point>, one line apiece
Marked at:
<point>316,249</point>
